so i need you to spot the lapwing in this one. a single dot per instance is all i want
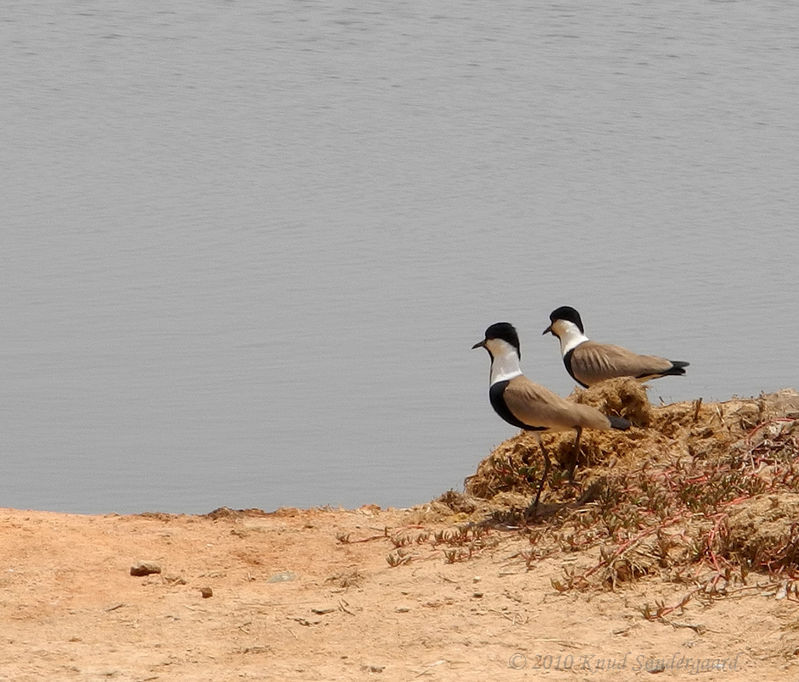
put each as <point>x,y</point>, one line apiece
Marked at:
<point>589,362</point>
<point>531,407</point>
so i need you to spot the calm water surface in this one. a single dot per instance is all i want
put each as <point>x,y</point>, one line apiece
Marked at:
<point>247,246</point>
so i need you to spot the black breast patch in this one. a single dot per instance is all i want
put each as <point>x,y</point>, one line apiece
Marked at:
<point>567,361</point>
<point>496,396</point>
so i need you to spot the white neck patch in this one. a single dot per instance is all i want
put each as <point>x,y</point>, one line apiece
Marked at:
<point>505,361</point>
<point>569,335</point>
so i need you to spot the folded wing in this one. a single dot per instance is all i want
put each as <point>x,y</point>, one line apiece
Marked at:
<point>593,362</point>
<point>538,406</point>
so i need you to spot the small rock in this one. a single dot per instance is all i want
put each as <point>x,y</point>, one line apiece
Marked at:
<point>145,568</point>
<point>402,609</point>
<point>206,592</point>
<point>175,579</point>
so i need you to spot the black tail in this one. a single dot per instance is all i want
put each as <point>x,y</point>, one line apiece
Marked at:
<point>677,368</point>
<point>619,423</point>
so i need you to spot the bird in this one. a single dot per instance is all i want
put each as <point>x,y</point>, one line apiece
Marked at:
<point>531,407</point>
<point>589,362</point>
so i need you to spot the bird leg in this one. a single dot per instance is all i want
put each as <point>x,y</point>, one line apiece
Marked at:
<point>571,465</point>
<point>533,508</point>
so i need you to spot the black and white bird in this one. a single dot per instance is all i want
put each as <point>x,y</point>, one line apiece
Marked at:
<point>589,362</point>
<point>531,407</point>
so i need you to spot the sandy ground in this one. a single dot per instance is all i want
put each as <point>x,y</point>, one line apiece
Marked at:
<point>310,595</point>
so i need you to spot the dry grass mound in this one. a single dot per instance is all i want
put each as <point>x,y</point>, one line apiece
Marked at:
<point>690,487</point>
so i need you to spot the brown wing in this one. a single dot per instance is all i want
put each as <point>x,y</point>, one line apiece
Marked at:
<point>592,362</point>
<point>535,405</point>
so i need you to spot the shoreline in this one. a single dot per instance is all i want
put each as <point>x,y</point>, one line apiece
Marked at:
<point>397,593</point>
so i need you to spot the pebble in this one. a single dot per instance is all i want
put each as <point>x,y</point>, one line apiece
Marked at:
<point>144,568</point>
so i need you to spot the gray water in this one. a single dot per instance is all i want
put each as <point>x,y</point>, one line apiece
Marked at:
<point>246,246</point>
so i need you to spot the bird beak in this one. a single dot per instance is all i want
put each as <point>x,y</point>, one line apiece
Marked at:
<point>479,344</point>
<point>548,330</point>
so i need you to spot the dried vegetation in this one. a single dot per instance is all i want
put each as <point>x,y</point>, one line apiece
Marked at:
<point>701,494</point>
